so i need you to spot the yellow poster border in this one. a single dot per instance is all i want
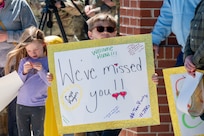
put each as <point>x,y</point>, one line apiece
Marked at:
<point>170,97</point>
<point>147,39</point>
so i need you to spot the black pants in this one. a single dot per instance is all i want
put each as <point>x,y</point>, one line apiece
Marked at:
<point>12,125</point>
<point>30,118</point>
<point>114,132</point>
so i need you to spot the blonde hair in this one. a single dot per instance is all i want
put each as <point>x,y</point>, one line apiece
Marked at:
<point>101,17</point>
<point>29,35</point>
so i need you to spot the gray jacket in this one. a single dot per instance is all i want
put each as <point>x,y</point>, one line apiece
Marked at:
<point>14,18</point>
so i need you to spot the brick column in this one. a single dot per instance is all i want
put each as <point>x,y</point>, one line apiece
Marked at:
<point>138,17</point>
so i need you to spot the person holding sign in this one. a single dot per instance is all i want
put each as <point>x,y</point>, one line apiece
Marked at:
<point>193,56</point>
<point>103,25</point>
<point>175,17</point>
<point>193,53</point>
<point>33,70</point>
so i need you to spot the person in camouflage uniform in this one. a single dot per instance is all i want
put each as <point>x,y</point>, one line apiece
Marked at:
<point>97,6</point>
<point>72,20</point>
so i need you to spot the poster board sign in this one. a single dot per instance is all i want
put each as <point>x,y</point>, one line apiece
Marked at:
<point>103,84</point>
<point>183,123</point>
<point>9,86</point>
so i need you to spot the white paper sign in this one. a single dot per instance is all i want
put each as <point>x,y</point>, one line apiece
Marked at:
<point>187,90</point>
<point>101,81</point>
<point>103,84</point>
<point>9,86</point>
<point>175,81</point>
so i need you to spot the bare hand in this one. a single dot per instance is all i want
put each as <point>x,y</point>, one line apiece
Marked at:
<point>155,78</point>
<point>189,66</point>
<point>49,77</point>
<point>27,67</point>
<point>3,36</point>
<point>37,66</point>
<point>156,50</point>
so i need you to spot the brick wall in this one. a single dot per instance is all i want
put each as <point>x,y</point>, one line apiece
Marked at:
<point>138,17</point>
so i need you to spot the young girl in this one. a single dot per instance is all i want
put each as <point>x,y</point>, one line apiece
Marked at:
<point>15,17</point>
<point>33,70</point>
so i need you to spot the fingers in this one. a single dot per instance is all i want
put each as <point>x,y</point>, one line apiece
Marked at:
<point>49,77</point>
<point>192,73</point>
<point>27,67</point>
<point>37,66</point>
<point>189,66</point>
<point>156,50</point>
<point>155,78</point>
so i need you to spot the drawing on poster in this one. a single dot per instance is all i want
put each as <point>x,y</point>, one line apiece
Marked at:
<point>183,123</point>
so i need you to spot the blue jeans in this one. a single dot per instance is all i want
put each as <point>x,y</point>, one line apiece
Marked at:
<point>179,61</point>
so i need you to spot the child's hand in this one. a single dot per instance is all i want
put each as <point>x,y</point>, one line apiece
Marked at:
<point>49,77</point>
<point>27,67</point>
<point>37,66</point>
<point>155,78</point>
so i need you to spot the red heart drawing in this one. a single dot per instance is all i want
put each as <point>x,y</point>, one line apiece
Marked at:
<point>115,95</point>
<point>123,94</point>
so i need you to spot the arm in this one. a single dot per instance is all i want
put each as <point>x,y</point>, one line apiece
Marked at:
<point>43,73</point>
<point>198,57</point>
<point>193,51</point>
<point>21,70</point>
<point>91,10</point>
<point>27,19</point>
<point>188,54</point>
<point>187,49</point>
<point>162,28</point>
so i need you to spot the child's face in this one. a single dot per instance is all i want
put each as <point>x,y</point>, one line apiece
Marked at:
<point>102,29</point>
<point>35,49</point>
